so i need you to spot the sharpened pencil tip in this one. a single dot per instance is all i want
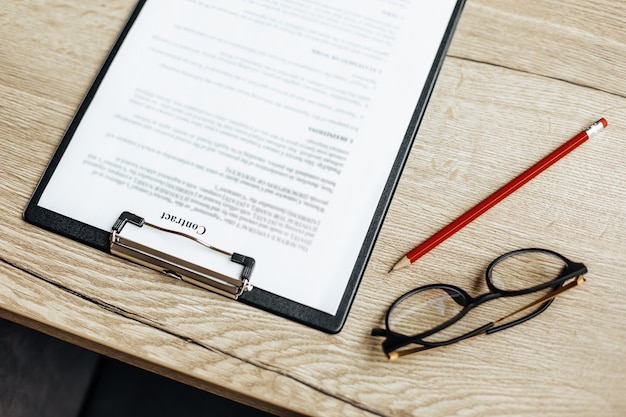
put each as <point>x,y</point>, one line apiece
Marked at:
<point>402,263</point>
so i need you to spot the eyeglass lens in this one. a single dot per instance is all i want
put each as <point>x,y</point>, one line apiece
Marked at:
<point>425,310</point>
<point>525,270</point>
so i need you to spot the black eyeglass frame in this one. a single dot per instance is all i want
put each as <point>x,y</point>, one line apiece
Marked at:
<point>394,341</point>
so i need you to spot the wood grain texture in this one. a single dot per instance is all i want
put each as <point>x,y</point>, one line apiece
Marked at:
<point>520,79</point>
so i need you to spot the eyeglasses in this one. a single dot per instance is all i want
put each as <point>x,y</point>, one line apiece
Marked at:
<point>522,284</point>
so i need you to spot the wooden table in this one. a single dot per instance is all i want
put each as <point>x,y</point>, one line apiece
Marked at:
<point>520,79</point>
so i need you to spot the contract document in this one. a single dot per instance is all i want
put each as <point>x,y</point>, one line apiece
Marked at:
<point>276,128</point>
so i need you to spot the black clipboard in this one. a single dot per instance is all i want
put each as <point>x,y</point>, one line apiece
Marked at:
<point>101,239</point>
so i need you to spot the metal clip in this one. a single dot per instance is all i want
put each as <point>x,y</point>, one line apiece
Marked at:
<point>174,266</point>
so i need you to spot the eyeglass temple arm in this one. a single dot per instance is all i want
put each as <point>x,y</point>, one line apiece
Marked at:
<point>578,281</point>
<point>392,356</point>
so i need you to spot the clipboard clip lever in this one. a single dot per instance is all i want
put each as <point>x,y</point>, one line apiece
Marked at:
<point>128,248</point>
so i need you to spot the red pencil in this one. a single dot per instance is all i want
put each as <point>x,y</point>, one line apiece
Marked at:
<point>500,195</point>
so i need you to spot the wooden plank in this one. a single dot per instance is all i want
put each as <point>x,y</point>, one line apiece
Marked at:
<point>581,42</point>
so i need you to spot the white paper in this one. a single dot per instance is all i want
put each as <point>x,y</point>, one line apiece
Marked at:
<point>265,128</point>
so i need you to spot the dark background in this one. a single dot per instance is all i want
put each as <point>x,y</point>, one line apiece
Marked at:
<point>42,376</point>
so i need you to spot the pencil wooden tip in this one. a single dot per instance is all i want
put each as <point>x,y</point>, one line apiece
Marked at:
<point>402,263</point>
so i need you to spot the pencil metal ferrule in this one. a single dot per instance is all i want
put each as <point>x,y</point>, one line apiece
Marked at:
<point>594,129</point>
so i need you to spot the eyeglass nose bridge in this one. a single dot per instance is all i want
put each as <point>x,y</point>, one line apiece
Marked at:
<point>484,298</point>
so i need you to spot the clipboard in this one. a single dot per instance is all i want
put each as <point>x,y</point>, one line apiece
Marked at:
<point>238,284</point>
